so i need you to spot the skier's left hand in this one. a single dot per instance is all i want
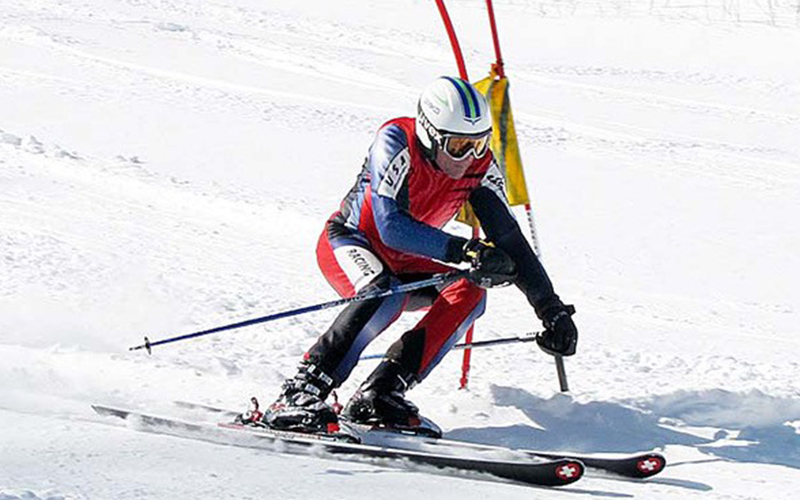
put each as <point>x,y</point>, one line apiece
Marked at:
<point>560,336</point>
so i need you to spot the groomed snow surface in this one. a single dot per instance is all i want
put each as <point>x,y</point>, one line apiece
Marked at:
<point>166,166</point>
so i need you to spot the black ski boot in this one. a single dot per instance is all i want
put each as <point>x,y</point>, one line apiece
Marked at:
<point>301,406</point>
<point>379,402</point>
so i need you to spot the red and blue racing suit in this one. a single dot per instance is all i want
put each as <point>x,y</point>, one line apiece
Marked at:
<point>388,231</point>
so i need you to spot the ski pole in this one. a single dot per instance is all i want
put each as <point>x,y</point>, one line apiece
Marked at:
<point>526,337</point>
<point>377,294</point>
<point>562,373</point>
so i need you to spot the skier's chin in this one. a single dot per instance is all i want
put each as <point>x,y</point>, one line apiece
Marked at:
<point>453,168</point>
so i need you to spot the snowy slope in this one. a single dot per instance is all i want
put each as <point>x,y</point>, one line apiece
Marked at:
<point>167,166</point>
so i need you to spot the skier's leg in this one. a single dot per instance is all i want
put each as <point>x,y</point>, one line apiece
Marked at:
<point>422,348</point>
<point>410,359</point>
<point>350,266</point>
<point>337,351</point>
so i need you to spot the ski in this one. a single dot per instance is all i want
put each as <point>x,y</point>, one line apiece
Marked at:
<point>540,472</point>
<point>633,465</point>
<point>640,465</point>
<point>181,428</point>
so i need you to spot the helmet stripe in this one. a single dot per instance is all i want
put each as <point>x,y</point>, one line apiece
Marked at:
<point>468,98</point>
<point>471,106</point>
<point>474,98</point>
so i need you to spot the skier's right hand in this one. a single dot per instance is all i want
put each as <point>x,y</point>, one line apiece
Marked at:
<point>491,266</point>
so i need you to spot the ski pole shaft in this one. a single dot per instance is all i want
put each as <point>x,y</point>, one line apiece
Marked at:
<point>377,294</point>
<point>527,337</point>
<point>562,373</point>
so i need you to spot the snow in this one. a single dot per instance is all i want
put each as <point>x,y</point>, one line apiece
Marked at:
<point>167,166</point>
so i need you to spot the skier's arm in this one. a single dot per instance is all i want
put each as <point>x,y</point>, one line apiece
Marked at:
<point>389,164</point>
<point>501,228</point>
<point>560,336</point>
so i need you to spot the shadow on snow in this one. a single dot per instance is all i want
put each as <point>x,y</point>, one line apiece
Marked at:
<point>619,427</point>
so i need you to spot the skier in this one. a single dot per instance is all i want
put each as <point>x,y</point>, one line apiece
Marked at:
<point>416,177</point>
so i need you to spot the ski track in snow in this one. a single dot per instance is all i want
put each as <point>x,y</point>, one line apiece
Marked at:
<point>167,167</point>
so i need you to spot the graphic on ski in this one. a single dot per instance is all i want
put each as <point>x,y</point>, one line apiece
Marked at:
<point>642,465</point>
<point>558,472</point>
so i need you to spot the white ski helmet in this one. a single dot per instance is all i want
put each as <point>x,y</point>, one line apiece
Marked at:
<point>450,107</point>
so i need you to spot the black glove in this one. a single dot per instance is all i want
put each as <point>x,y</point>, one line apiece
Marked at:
<point>491,266</point>
<point>560,335</point>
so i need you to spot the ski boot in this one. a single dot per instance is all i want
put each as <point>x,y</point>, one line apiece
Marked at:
<point>380,403</point>
<point>301,405</point>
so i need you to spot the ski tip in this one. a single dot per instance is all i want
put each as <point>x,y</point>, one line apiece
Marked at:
<point>107,411</point>
<point>650,464</point>
<point>569,471</point>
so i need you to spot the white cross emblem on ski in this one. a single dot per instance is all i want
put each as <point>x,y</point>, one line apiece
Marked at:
<point>648,465</point>
<point>567,472</point>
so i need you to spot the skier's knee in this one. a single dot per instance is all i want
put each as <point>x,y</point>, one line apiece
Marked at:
<point>381,282</point>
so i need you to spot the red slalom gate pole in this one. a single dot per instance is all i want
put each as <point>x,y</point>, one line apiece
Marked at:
<point>467,360</point>
<point>499,64</point>
<point>462,71</point>
<point>451,33</point>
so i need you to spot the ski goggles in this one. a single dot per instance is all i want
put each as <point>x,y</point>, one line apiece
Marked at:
<point>458,147</point>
